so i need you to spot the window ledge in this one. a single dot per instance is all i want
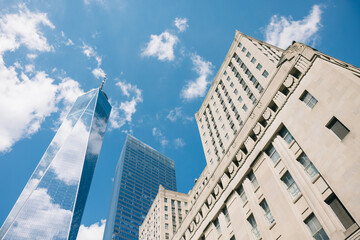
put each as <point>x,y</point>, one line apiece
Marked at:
<point>245,203</point>
<point>297,198</point>
<point>315,178</point>
<point>257,188</point>
<point>272,225</point>
<point>352,229</point>
<point>277,162</point>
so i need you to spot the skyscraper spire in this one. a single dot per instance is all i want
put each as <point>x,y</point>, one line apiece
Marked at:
<point>103,82</point>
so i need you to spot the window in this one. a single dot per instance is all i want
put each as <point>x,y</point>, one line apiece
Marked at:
<point>240,99</point>
<point>242,193</point>
<point>166,216</point>
<point>239,45</point>
<point>310,169</point>
<point>248,54</point>
<point>315,228</point>
<point>235,91</point>
<point>285,134</point>
<point>267,213</point>
<point>292,187</point>
<point>259,66</point>
<point>223,127</point>
<point>166,226</point>
<point>233,238</point>
<point>308,99</point>
<point>228,78</point>
<point>340,211</point>
<point>244,49</point>
<point>166,208</point>
<point>253,225</point>
<point>166,235</point>
<point>232,84</point>
<point>272,153</point>
<point>165,199</point>
<point>253,179</point>
<point>244,108</point>
<point>225,73</point>
<point>253,60</point>
<point>217,225</point>
<point>227,136</point>
<point>338,128</point>
<point>265,74</point>
<point>226,214</point>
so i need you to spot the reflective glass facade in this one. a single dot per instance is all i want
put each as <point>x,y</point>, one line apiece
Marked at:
<point>52,202</point>
<point>139,172</point>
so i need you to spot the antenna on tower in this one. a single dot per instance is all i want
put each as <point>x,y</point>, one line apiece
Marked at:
<point>102,83</point>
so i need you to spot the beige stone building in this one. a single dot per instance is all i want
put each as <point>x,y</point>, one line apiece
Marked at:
<point>281,139</point>
<point>165,215</point>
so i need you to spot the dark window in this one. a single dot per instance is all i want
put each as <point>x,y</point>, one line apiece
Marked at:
<point>308,99</point>
<point>338,128</point>
<point>340,211</point>
<point>315,228</point>
<point>295,72</point>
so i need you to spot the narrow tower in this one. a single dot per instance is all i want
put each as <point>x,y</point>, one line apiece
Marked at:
<point>52,203</point>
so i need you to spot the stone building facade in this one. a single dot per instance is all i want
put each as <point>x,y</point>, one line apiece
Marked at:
<point>287,165</point>
<point>165,215</point>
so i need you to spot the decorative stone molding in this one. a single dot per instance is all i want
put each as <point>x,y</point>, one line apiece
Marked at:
<point>257,129</point>
<point>268,113</point>
<point>289,81</point>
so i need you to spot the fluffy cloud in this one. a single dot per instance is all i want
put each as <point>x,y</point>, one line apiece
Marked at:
<point>159,135</point>
<point>122,113</point>
<point>98,73</point>
<point>197,88</point>
<point>282,31</point>
<point>177,113</point>
<point>181,24</point>
<point>93,232</point>
<point>161,46</point>
<point>26,101</point>
<point>91,53</point>
<point>179,143</point>
<point>22,28</point>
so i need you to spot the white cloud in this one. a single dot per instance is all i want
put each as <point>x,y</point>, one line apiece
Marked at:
<point>91,53</point>
<point>122,113</point>
<point>29,68</point>
<point>177,113</point>
<point>161,46</point>
<point>98,73</point>
<point>93,232</point>
<point>31,56</point>
<point>179,143</point>
<point>69,42</point>
<point>181,24</point>
<point>197,88</point>
<point>27,101</point>
<point>159,135</point>
<point>282,31</point>
<point>23,29</point>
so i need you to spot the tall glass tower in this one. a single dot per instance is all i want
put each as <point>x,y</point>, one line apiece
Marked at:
<point>139,172</point>
<point>52,203</point>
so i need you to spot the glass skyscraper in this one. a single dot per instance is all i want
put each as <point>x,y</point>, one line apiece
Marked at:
<point>139,172</point>
<point>52,202</point>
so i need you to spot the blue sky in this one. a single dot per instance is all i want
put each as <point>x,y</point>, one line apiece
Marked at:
<point>160,58</point>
